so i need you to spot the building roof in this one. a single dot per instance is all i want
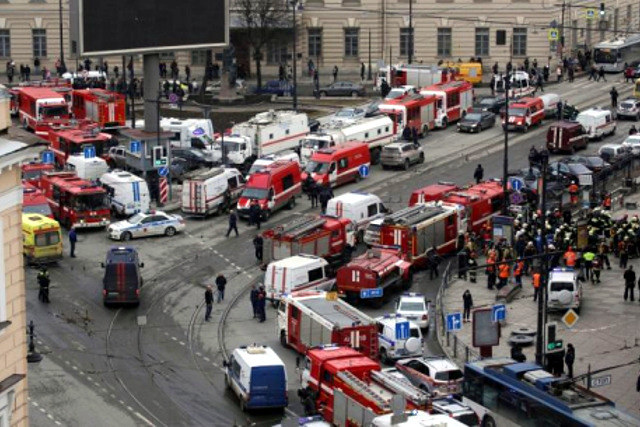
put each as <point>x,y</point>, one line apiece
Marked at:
<point>15,152</point>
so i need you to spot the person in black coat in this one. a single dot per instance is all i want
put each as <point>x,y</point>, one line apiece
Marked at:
<point>629,282</point>
<point>262,302</point>
<point>478,175</point>
<point>208,300</point>
<point>233,223</point>
<point>258,244</point>
<point>253,297</point>
<point>255,214</point>
<point>569,358</point>
<point>221,284</point>
<point>325,196</point>
<point>414,136</point>
<point>43,282</point>
<point>467,302</point>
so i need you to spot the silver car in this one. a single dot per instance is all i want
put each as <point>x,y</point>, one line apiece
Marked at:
<point>401,154</point>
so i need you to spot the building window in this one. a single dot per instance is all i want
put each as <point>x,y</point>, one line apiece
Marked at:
<point>444,42</point>
<point>315,42</point>
<point>39,42</point>
<point>519,42</point>
<point>351,42</point>
<point>5,43</point>
<point>198,57</point>
<point>406,41</point>
<point>482,42</point>
<point>167,56</point>
<point>276,53</point>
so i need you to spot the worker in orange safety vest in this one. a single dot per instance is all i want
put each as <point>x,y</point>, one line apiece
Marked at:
<point>503,275</point>
<point>570,258</point>
<point>536,277</point>
<point>573,192</point>
<point>491,272</point>
<point>517,272</point>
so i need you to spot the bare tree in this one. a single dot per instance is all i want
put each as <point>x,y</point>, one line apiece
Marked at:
<point>262,21</point>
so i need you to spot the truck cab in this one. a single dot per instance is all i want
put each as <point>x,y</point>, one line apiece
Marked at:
<point>339,165</point>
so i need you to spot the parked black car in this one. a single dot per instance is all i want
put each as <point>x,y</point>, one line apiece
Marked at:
<point>476,121</point>
<point>571,171</point>
<point>193,157</point>
<point>594,163</point>
<point>342,89</point>
<point>490,103</point>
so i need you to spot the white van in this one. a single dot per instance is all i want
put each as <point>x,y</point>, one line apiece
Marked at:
<point>564,290</point>
<point>263,162</point>
<point>128,194</point>
<point>90,169</point>
<point>359,207</point>
<point>189,133</point>
<point>597,122</point>
<point>550,102</point>
<point>257,375</point>
<point>209,191</point>
<point>391,345</point>
<point>417,419</point>
<point>297,273</point>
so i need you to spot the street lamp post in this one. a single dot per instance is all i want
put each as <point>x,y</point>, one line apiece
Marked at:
<point>63,66</point>
<point>369,71</point>
<point>506,83</point>
<point>295,4</point>
<point>542,294</point>
<point>410,53</point>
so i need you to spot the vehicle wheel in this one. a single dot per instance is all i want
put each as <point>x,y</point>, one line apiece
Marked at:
<point>425,130</point>
<point>25,124</point>
<point>357,177</point>
<point>170,231</point>
<point>291,203</point>
<point>243,405</point>
<point>406,164</point>
<point>421,160</point>
<point>488,421</point>
<point>354,94</point>
<point>445,123</point>
<point>525,129</point>
<point>375,156</point>
<point>385,167</point>
<point>384,358</point>
<point>265,215</point>
<point>323,94</point>
<point>573,150</point>
<point>283,339</point>
<point>480,128</point>
<point>125,237</point>
<point>613,132</point>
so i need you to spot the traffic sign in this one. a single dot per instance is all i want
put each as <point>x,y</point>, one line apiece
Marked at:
<point>516,198</point>
<point>371,293</point>
<point>570,318</point>
<point>331,296</point>
<point>135,146</point>
<point>89,152</point>
<point>364,171</point>
<point>591,14</point>
<point>163,171</point>
<point>516,183</point>
<point>498,313</point>
<point>454,322</point>
<point>173,98</point>
<point>553,35</point>
<point>48,157</point>
<point>600,381</point>
<point>402,330</point>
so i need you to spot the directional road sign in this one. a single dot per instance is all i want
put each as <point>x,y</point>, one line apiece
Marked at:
<point>371,293</point>
<point>553,35</point>
<point>47,157</point>
<point>498,313</point>
<point>135,146</point>
<point>173,98</point>
<point>402,330</point>
<point>570,318</point>
<point>454,322</point>
<point>89,152</point>
<point>516,183</point>
<point>364,171</point>
<point>600,381</point>
<point>590,14</point>
<point>163,171</point>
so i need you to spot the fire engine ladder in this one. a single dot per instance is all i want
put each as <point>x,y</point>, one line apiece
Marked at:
<point>401,386</point>
<point>363,389</point>
<point>300,226</point>
<point>416,214</point>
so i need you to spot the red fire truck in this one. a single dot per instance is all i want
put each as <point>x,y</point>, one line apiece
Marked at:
<point>42,108</point>
<point>75,201</point>
<point>104,107</point>
<point>415,111</point>
<point>414,75</point>
<point>350,389</point>
<point>32,172</point>
<point>431,193</point>
<point>34,200</point>
<point>310,318</point>
<point>373,275</point>
<point>455,99</point>
<point>67,142</point>
<point>481,202</point>
<point>330,238</point>
<point>418,229</point>
<point>524,113</point>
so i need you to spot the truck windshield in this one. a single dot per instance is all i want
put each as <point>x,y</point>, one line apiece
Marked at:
<point>89,202</point>
<point>317,167</point>
<point>517,112</point>
<point>232,146</point>
<point>54,111</point>
<point>255,193</point>
<point>314,144</point>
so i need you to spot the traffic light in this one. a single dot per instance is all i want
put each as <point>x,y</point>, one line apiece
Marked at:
<point>159,158</point>
<point>552,344</point>
<point>602,11</point>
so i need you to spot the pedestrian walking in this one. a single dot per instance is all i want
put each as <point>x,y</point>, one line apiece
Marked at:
<point>614,97</point>
<point>546,71</point>
<point>492,85</point>
<point>588,257</point>
<point>467,303</point>
<point>535,281</point>
<point>491,273</point>
<point>559,73</point>
<point>518,270</point>
<point>628,74</point>
<point>233,223</point>
<point>569,358</point>
<point>258,245</point>
<point>255,214</point>
<point>571,74</point>
<point>623,252</point>
<point>262,302</point>
<point>324,197</point>
<point>472,266</point>
<point>253,297</point>
<point>414,136</point>
<point>601,74</point>
<point>312,190</point>
<point>433,260</point>
<point>495,68</point>
<point>335,73</point>
<point>629,282</point>
<point>362,70</point>
<point>540,83</point>
<point>596,268</point>
<point>221,284</point>
<point>73,239</point>
<point>43,283</point>
<point>593,73</point>
<point>208,301</point>
<point>478,174</point>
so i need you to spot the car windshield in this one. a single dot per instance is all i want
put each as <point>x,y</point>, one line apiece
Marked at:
<point>314,144</point>
<point>452,375</point>
<point>627,104</point>
<point>561,286</point>
<point>43,209</point>
<point>346,113</point>
<point>411,306</point>
<point>473,117</point>
<point>395,93</point>
<point>255,193</point>
<point>517,112</point>
<point>488,101</point>
<point>317,167</point>
<point>136,218</point>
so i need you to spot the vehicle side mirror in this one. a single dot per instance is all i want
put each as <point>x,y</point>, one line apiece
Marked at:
<point>102,264</point>
<point>225,363</point>
<point>142,265</point>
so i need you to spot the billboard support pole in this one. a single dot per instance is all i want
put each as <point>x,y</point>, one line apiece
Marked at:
<point>151,85</point>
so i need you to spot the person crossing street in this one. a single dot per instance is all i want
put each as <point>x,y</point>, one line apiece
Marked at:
<point>43,283</point>
<point>233,223</point>
<point>73,239</point>
<point>258,244</point>
<point>629,282</point>
<point>221,284</point>
<point>208,301</point>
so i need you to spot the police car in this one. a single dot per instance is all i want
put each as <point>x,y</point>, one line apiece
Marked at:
<point>395,341</point>
<point>414,307</point>
<point>154,223</point>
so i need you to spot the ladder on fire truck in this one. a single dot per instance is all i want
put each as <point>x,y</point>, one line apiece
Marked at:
<point>413,215</point>
<point>403,387</point>
<point>364,390</point>
<point>300,226</point>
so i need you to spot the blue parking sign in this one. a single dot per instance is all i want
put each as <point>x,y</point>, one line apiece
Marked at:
<point>402,330</point>
<point>454,322</point>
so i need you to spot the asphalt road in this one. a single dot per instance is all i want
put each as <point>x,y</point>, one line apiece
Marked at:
<point>160,364</point>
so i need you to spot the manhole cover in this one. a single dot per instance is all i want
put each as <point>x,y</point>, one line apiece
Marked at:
<point>524,331</point>
<point>521,340</point>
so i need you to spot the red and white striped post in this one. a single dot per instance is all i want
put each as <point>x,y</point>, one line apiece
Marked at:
<point>164,190</point>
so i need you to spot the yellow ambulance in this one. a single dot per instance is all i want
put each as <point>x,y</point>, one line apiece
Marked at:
<point>467,71</point>
<point>42,239</point>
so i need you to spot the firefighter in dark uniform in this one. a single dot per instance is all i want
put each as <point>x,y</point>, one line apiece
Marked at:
<point>43,282</point>
<point>472,265</point>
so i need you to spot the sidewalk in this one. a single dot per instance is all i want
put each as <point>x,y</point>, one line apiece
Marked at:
<point>606,333</point>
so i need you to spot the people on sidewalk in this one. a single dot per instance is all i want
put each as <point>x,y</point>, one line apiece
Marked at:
<point>629,282</point>
<point>467,304</point>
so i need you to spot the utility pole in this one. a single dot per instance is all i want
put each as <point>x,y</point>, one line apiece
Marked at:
<point>62,63</point>
<point>294,3</point>
<point>542,290</point>
<point>561,50</point>
<point>410,53</point>
<point>505,160</point>
<point>369,72</point>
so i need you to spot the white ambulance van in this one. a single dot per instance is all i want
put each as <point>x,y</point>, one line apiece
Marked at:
<point>205,192</point>
<point>127,193</point>
<point>297,273</point>
<point>359,207</point>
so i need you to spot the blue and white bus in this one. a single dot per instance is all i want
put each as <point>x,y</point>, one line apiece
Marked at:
<point>613,54</point>
<point>504,392</point>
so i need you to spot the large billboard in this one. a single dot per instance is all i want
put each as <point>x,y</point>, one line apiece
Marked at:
<point>119,27</point>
